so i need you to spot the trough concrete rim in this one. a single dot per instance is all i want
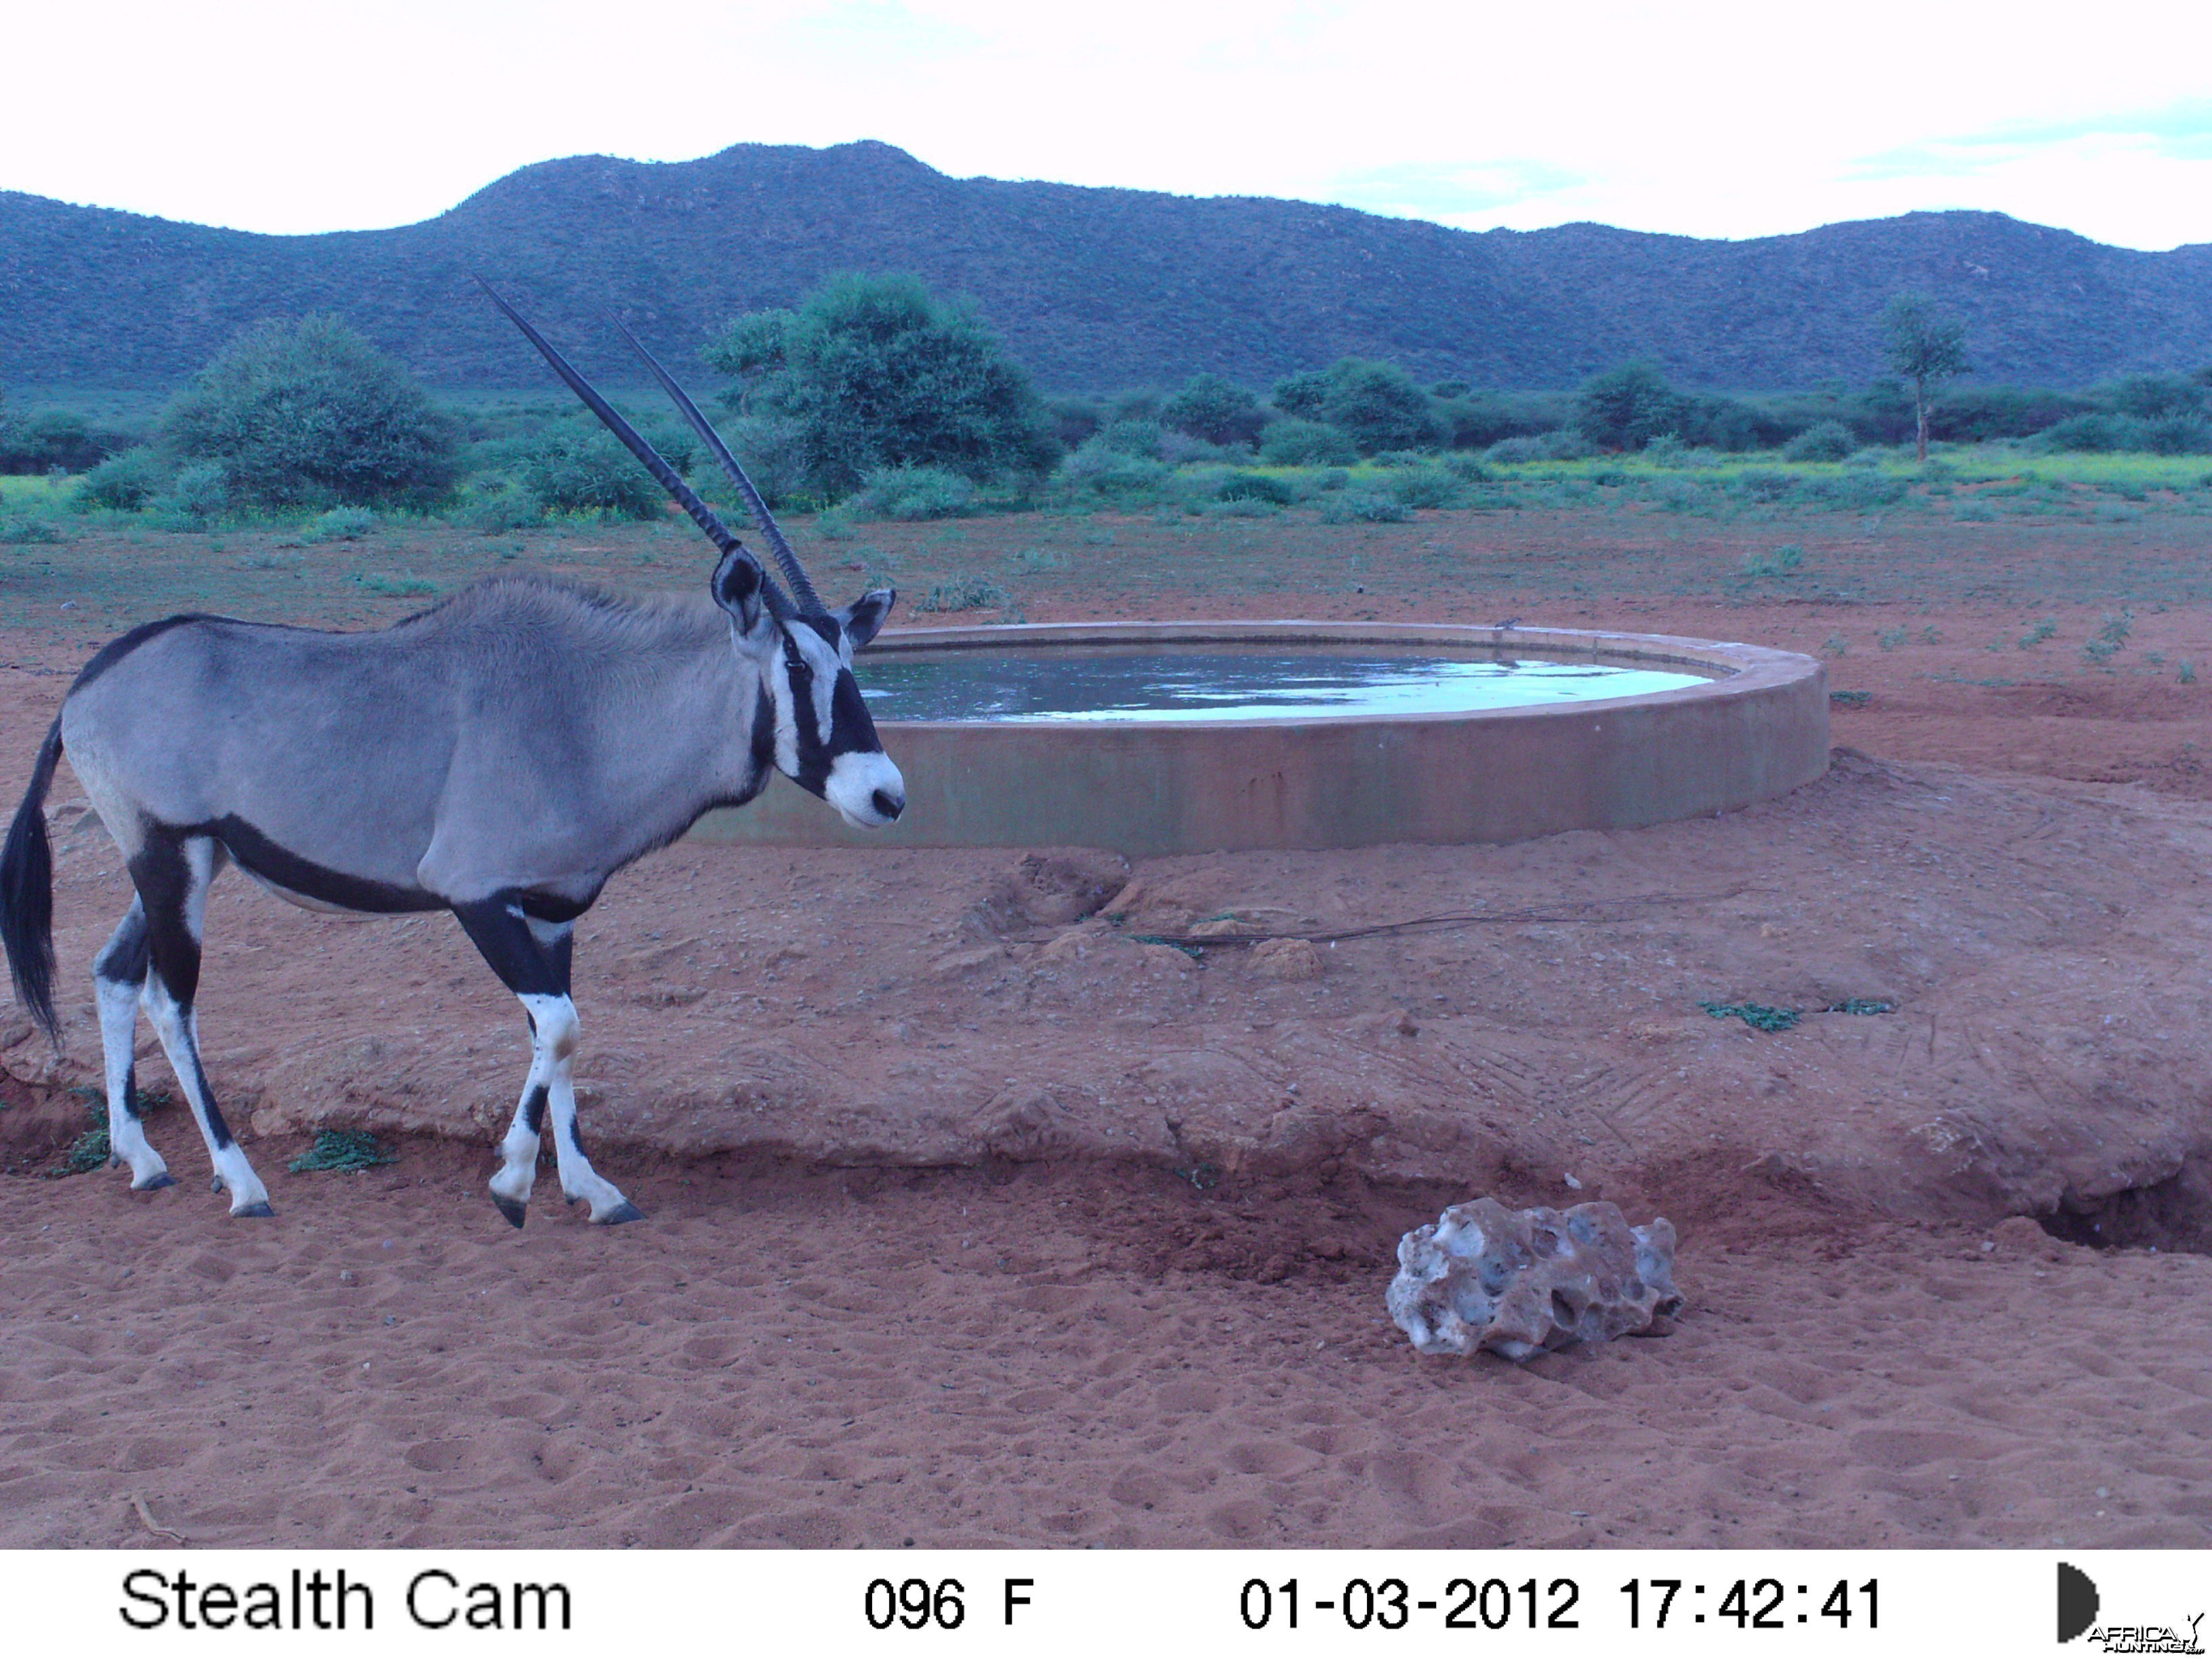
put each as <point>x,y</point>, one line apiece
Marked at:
<point>1755,727</point>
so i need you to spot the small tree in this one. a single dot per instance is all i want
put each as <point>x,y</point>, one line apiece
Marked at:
<point>308,413</point>
<point>1627,407</point>
<point>1214,409</point>
<point>878,372</point>
<point>1925,348</point>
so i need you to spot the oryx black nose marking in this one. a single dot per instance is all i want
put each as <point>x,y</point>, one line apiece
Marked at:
<point>890,806</point>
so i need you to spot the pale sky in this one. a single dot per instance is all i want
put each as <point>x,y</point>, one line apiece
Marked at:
<point>1703,117</point>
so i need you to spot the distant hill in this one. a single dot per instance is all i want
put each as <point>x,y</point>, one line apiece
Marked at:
<point>1094,289</point>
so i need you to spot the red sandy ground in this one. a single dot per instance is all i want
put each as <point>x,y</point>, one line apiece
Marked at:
<point>973,1225</point>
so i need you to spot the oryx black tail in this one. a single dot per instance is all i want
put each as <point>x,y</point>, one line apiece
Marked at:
<point>27,893</point>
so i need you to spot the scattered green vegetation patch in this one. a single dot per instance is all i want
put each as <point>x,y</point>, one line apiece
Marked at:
<point>1757,1015</point>
<point>1860,1005</point>
<point>343,1149</point>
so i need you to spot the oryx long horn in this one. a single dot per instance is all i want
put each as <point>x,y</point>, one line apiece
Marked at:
<point>702,514</point>
<point>793,570</point>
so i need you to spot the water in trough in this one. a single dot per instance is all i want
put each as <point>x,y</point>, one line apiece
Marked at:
<point>1038,687</point>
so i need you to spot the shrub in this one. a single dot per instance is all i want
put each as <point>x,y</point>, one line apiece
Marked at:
<point>913,492</point>
<point>879,373</point>
<point>341,524</point>
<point>27,531</point>
<point>1513,452</point>
<point>1141,438</point>
<point>1306,443</point>
<point>1096,473</point>
<point>499,506</point>
<point>576,465</point>
<point>309,414</point>
<point>1626,408</point>
<point>775,453</point>
<point>964,593</point>
<point>1246,506</point>
<point>1378,407</point>
<point>2096,433</point>
<point>2155,396</point>
<point>195,497</point>
<point>1424,486</point>
<point>1830,440</point>
<point>1255,487</point>
<point>124,483</point>
<point>54,438</point>
<point>1216,410</point>
<point>1363,506</point>
<point>1071,419</point>
<point>1301,395</point>
<point>2177,434</point>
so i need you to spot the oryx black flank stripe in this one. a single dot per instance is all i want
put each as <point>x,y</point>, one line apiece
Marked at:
<point>288,870</point>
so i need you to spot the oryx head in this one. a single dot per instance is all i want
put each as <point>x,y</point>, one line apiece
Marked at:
<point>826,741</point>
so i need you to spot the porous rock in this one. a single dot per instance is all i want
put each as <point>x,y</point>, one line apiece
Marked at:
<point>1292,959</point>
<point>1517,1282</point>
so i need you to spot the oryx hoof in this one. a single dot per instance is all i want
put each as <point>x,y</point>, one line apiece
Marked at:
<point>255,1210</point>
<point>215,1184</point>
<point>623,1212</point>
<point>510,1208</point>
<point>164,1179</point>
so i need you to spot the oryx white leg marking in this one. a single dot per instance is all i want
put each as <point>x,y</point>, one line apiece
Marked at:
<point>117,978</point>
<point>552,1083</point>
<point>177,1027</point>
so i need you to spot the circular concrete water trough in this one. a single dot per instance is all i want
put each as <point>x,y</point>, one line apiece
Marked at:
<point>1741,724</point>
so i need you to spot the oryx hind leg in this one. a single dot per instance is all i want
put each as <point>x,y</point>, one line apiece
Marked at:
<point>531,955</point>
<point>119,979</point>
<point>173,875</point>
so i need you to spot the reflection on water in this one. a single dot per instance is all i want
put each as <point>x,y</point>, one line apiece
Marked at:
<point>1041,687</point>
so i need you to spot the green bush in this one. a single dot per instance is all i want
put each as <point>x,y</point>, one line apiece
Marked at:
<point>964,593</point>
<point>124,483</point>
<point>1216,410</point>
<point>54,438</point>
<point>1424,486</point>
<point>1297,443</point>
<point>1095,472</point>
<point>1564,445</point>
<point>879,371</point>
<point>576,465</point>
<point>197,496</point>
<point>1829,441</point>
<point>309,414</point>
<point>1141,438</point>
<point>1255,487</point>
<point>1626,408</point>
<point>1363,506</point>
<point>913,492</point>
<point>498,506</point>
<point>1378,407</point>
<point>341,524</point>
<point>28,531</point>
<point>1301,396</point>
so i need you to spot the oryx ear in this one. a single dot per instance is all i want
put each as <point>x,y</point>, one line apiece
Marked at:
<point>861,618</point>
<point>736,588</point>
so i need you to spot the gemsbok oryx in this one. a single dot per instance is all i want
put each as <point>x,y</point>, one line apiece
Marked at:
<point>498,756</point>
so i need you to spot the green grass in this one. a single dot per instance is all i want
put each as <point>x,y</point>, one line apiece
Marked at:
<point>343,1150</point>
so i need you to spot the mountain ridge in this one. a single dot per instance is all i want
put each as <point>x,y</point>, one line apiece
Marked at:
<point>1094,289</point>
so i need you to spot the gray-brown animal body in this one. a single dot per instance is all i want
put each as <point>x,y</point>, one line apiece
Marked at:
<point>499,756</point>
<point>518,738</point>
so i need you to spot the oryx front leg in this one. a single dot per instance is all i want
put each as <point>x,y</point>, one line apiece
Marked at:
<point>531,956</point>
<point>119,977</point>
<point>173,876</point>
